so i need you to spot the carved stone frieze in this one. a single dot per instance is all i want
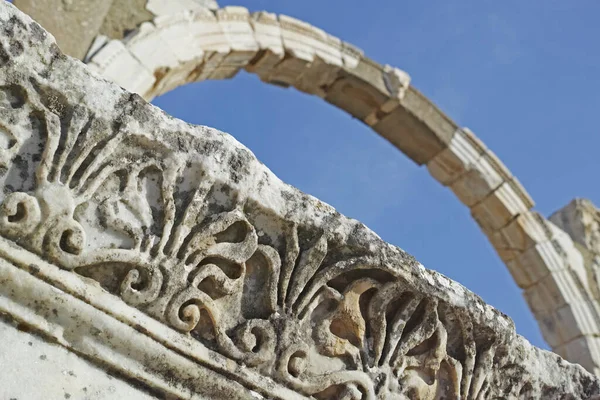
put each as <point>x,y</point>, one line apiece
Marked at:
<point>180,47</point>
<point>186,225</point>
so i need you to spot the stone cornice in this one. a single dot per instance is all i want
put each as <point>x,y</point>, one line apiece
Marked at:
<point>170,253</point>
<point>179,47</point>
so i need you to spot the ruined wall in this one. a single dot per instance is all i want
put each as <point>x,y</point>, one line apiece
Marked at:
<point>188,41</point>
<point>181,47</point>
<point>76,23</point>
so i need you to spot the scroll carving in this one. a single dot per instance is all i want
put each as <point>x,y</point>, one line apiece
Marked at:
<point>160,217</point>
<point>150,225</point>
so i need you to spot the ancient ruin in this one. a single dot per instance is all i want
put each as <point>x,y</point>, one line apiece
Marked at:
<point>168,256</point>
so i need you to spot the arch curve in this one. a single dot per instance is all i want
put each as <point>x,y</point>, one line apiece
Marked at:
<point>200,44</point>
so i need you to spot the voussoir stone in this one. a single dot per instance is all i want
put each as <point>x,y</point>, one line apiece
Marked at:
<point>182,225</point>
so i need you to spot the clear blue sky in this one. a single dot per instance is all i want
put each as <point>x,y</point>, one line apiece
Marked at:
<point>523,75</point>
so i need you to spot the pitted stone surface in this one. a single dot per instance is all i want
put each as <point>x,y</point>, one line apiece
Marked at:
<point>179,47</point>
<point>57,373</point>
<point>75,23</point>
<point>581,220</point>
<point>184,225</point>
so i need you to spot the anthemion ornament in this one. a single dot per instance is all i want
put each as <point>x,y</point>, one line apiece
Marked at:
<point>169,256</point>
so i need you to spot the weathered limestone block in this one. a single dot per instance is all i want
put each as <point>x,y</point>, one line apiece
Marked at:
<point>381,97</point>
<point>161,52</point>
<point>463,151</point>
<point>57,372</point>
<point>160,7</point>
<point>318,76</point>
<point>545,263</point>
<point>325,67</point>
<point>236,27</point>
<point>574,319</point>
<point>168,253</point>
<point>536,263</point>
<point>119,65</point>
<point>125,16</point>
<point>558,301</point>
<point>525,231</point>
<point>586,349</point>
<point>417,127</point>
<point>75,24</point>
<point>471,170</point>
<point>480,179</point>
<point>267,34</point>
<point>298,39</point>
<point>513,241</point>
<point>501,206</point>
<point>564,323</point>
<point>359,91</point>
<point>351,55</point>
<point>199,38</point>
<point>187,42</point>
<point>189,32</point>
<point>189,39</point>
<point>581,220</point>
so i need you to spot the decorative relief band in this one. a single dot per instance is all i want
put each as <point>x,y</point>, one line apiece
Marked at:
<point>185,225</point>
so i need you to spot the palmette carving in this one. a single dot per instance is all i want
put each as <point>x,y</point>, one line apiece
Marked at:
<point>158,218</point>
<point>150,226</point>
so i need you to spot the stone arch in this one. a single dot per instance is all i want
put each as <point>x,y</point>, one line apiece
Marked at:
<point>169,256</point>
<point>199,44</point>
